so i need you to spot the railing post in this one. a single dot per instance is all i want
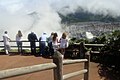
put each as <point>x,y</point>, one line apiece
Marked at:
<point>58,71</point>
<point>86,66</point>
<point>82,50</point>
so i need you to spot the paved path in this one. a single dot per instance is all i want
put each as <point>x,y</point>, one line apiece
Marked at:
<point>7,62</point>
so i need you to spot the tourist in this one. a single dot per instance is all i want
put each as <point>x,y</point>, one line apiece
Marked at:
<point>6,40</point>
<point>43,43</point>
<point>55,42</point>
<point>50,44</point>
<point>19,42</point>
<point>63,43</point>
<point>32,38</point>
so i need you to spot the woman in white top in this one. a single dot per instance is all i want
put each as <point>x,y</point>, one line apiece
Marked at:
<point>63,43</point>
<point>55,43</point>
<point>19,42</point>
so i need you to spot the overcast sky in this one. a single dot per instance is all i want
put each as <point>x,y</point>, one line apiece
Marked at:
<point>41,15</point>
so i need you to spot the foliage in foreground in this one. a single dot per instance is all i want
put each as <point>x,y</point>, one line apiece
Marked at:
<point>111,51</point>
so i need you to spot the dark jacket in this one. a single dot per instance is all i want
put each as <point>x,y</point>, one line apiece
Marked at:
<point>32,37</point>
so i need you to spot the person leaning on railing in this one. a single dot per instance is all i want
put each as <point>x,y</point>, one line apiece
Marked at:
<point>32,38</point>
<point>51,51</point>
<point>19,42</point>
<point>43,43</point>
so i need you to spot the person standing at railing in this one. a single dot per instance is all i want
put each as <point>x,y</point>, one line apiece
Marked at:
<point>32,38</point>
<point>63,43</point>
<point>6,40</point>
<point>19,42</point>
<point>55,42</point>
<point>43,43</point>
<point>51,51</point>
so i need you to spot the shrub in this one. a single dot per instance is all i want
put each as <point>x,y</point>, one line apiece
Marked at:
<point>111,50</point>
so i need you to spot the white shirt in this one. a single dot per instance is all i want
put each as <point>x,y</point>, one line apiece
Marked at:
<point>18,38</point>
<point>44,37</point>
<point>6,39</point>
<point>55,44</point>
<point>63,43</point>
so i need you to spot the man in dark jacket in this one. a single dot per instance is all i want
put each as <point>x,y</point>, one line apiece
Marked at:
<point>32,38</point>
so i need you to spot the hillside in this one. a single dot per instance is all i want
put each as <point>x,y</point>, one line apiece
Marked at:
<point>81,16</point>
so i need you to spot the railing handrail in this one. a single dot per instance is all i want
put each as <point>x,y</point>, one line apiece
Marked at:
<point>15,46</point>
<point>95,45</point>
<point>28,46</point>
<point>21,41</point>
<point>66,62</point>
<point>70,75</point>
<point>25,70</point>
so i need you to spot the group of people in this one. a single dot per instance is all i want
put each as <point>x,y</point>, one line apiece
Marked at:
<point>52,43</point>
<point>6,40</point>
<point>58,44</point>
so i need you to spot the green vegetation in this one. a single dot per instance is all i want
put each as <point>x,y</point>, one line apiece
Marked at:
<point>111,51</point>
<point>109,57</point>
<point>75,40</point>
<point>111,48</point>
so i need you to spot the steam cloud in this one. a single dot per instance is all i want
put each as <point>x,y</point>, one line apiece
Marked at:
<point>42,15</point>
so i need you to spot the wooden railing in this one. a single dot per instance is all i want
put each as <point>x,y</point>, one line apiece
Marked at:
<point>57,67</point>
<point>28,46</point>
<point>94,48</point>
<point>15,45</point>
<point>70,53</point>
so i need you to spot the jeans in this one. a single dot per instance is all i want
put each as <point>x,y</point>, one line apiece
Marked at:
<point>19,44</point>
<point>42,47</point>
<point>51,50</point>
<point>33,47</point>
